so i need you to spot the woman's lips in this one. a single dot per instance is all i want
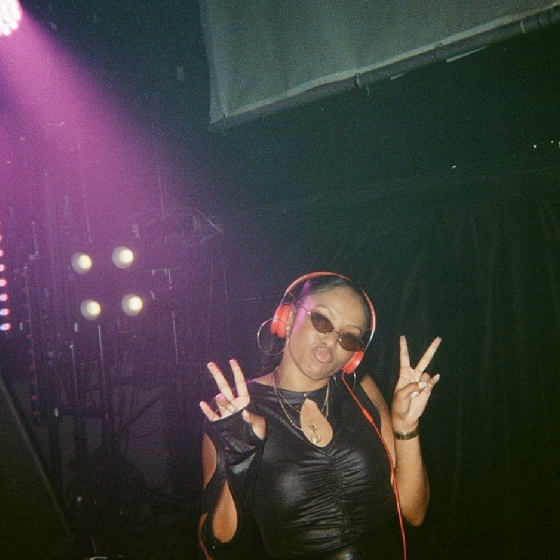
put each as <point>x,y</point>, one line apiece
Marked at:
<point>323,354</point>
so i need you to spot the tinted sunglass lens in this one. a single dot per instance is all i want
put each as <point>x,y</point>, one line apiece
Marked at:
<point>321,323</point>
<point>350,342</point>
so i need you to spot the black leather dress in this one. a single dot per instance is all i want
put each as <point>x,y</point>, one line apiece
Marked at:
<point>320,503</point>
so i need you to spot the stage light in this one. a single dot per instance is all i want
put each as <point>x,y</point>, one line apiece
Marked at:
<point>2,268</point>
<point>4,312</point>
<point>132,304</point>
<point>3,282</point>
<point>90,309</point>
<point>123,257</point>
<point>10,16</point>
<point>81,263</point>
<point>5,327</point>
<point>4,297</point>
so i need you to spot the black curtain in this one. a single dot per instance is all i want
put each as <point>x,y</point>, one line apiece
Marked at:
<point>473,258</point>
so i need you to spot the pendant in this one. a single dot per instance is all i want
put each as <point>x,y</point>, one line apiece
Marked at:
<point>314,438</point>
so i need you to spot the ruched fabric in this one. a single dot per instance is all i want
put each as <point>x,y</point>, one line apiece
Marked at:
<point>315,502</point>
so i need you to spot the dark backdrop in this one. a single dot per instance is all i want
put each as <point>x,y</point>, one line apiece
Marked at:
<point>472,258</point>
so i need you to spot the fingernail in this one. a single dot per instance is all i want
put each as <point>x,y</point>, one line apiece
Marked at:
<point>422,385</point>
<point>209,364</point>
<point>231,408</point>
<point>415,394</point>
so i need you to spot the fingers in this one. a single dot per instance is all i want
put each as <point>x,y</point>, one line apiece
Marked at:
<point>405,358</point>
<point>423,386</point>
<point>226,401</point>
<point>428,355</point>
<point>220,380</point>
<point>413,390</point>
<point>258,423</point>
<point>223,385</point>
<point>208,412</point>
<point>224,404</point>
<point>240,383</point>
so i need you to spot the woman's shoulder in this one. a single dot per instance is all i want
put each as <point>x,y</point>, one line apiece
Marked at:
<point>266,380</point>
<point>260,387</point>
<point>373,392</point>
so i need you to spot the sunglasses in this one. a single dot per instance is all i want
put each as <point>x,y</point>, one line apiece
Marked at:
<point>347,341</point>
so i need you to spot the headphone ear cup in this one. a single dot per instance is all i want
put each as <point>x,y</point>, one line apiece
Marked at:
<point>280,320</point>
<point>353,362</point>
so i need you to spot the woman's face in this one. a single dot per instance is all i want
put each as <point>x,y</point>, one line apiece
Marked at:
<point>316,355</point>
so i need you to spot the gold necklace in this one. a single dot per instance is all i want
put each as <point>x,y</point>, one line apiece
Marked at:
<point>315,436</point>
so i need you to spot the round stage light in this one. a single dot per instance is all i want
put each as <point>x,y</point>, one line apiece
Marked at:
<point>123,257</point>
<point>132,304</point>
<point>90,309</point>
<point>10,16</point>
<point>81,263</point>
<point>5,327</point>
<point>4,312</point>
<point>4,297</point>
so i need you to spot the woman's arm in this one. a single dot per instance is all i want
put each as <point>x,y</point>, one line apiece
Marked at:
<point>231,449</point>
<point>410,398</point>
<point>224,518</point>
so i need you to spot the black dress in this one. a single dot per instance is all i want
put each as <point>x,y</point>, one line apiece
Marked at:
<point>310,502</point>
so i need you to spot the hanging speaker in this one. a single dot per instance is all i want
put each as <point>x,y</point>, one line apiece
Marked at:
<point>32,524</point>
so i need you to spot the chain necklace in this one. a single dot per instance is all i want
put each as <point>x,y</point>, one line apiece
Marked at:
<point>315,436</point>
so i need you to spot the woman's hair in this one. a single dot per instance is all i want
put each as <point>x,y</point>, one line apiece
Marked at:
<point>329,282</point>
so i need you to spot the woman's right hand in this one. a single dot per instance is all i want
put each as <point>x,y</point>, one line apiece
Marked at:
<point>228,403</point>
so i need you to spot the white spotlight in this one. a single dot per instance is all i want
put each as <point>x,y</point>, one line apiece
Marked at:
<point>81,263</point>
<point>10,16</point>
<point>90,309</point>
<point>123,257</point>
<point>132,304</point>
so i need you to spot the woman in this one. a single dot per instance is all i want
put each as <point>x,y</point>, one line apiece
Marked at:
<point>300,462</point>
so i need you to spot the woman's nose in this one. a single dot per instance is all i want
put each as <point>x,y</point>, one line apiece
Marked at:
<point>330,338</point>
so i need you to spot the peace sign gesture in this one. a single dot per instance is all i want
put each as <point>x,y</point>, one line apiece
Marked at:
<point>414,387</point>
<point>228,403</point>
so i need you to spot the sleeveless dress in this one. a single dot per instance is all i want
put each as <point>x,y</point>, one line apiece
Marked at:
<point>324,502</point>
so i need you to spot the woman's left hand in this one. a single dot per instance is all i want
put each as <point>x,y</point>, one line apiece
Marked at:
<point>413,388</point>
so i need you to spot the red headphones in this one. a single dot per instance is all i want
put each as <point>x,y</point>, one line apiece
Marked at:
<point>282,314</point>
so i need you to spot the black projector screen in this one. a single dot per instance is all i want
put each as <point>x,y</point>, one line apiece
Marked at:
<point>267,55</point>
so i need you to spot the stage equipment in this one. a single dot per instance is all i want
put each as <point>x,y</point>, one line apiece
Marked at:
<point>90,309</point>
<point>10,16</point>
<point>5,322</point>
<point>323,47</point>
<point>32,524</point>
<point>122,257</point>
<point>132,304</point>
<point>81,263</point>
